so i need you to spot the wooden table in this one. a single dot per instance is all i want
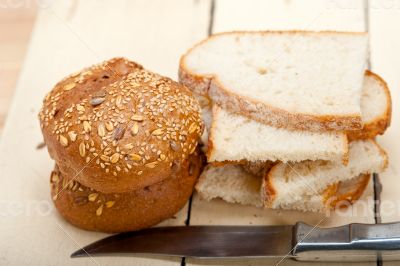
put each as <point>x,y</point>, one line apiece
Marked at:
<point>69,35</point>
<point>15,29</point>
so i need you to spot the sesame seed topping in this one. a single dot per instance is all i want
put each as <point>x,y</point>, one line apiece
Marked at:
<point>63,141</point>
<point>55,178</point>
<point>114,158</point>
<point>157,132</point>
<point>72,135</point>
<point>80,108</point>
<point>105,158</point>
<point>101,130</point>
<point>137,118</point>
<point>135,129</point>
<point>118,101</point>
<point>93,196</point>
<point>135,157</point>
<point>151,165</point>
<point>110,203</point>
<point>109,126</point>
<point>86,126</point>
<point>128,146</point>
<point>99,211</point>
<point>82,149</point>
<point>192,128</point>
<point>69,86</point>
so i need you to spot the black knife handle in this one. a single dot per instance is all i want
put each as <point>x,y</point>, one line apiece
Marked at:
<point>347,242</point>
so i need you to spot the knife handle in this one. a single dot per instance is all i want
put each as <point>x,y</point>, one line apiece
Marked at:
<point>347,242</point>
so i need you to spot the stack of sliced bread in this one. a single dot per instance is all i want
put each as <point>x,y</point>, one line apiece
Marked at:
<point>290,117</point>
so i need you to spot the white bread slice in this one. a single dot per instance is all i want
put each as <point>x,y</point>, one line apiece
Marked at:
<point>376,111</point>
<point>293,79</point>
<point>231,183</point>
<point>236,138</point>
<point>376,108</point>
<point>336,195</point>
<point>234,185</point>
<point>286,184</point>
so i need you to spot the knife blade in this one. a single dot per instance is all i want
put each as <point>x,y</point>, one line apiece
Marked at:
<point>197,241</point>
<point>352,242</point>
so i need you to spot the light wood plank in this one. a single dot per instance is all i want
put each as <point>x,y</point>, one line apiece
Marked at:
<point>289,14</point>
<point>266,15</point>
<point>385,60</point>
<point>15,29</point>
<point>68,36</point>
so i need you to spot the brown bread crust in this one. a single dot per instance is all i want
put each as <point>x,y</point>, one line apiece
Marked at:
<point>117,127</point>
<point>378,126</point>
<point>335,198</point>
<point>95,211</point>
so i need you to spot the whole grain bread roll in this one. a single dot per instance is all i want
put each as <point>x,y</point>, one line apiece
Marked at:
<point>116,127</point>
<point>120,212</point>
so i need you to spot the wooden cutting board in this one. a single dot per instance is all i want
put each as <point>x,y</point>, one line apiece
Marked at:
<point>69,35</point>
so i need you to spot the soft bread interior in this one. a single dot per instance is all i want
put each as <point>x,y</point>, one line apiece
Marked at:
<point>289,183</point>
<point>374,99</point>
<point>230,183</point>
<point>234,138</point>
<point>235,185</point>
<point>303,80</point>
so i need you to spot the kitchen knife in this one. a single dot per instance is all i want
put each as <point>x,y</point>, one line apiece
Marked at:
<point>352,242</point>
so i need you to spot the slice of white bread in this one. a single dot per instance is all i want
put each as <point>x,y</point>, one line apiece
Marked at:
<point>234,185</point>
<point>230,183</point>
<point>236,138</point>
<point>336,195</point>
<point>376,108</point>
<point>288,184</point>
<point>293,79</point>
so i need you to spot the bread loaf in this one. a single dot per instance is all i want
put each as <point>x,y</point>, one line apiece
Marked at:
<point>92,210</point>
<point>117,127</point>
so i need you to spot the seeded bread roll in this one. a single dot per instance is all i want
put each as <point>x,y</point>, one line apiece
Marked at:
<point>117,127</point>
<point>92,210</point>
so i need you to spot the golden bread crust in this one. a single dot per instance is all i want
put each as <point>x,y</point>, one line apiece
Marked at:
<point>379,125</point>
<point>335,198</point>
